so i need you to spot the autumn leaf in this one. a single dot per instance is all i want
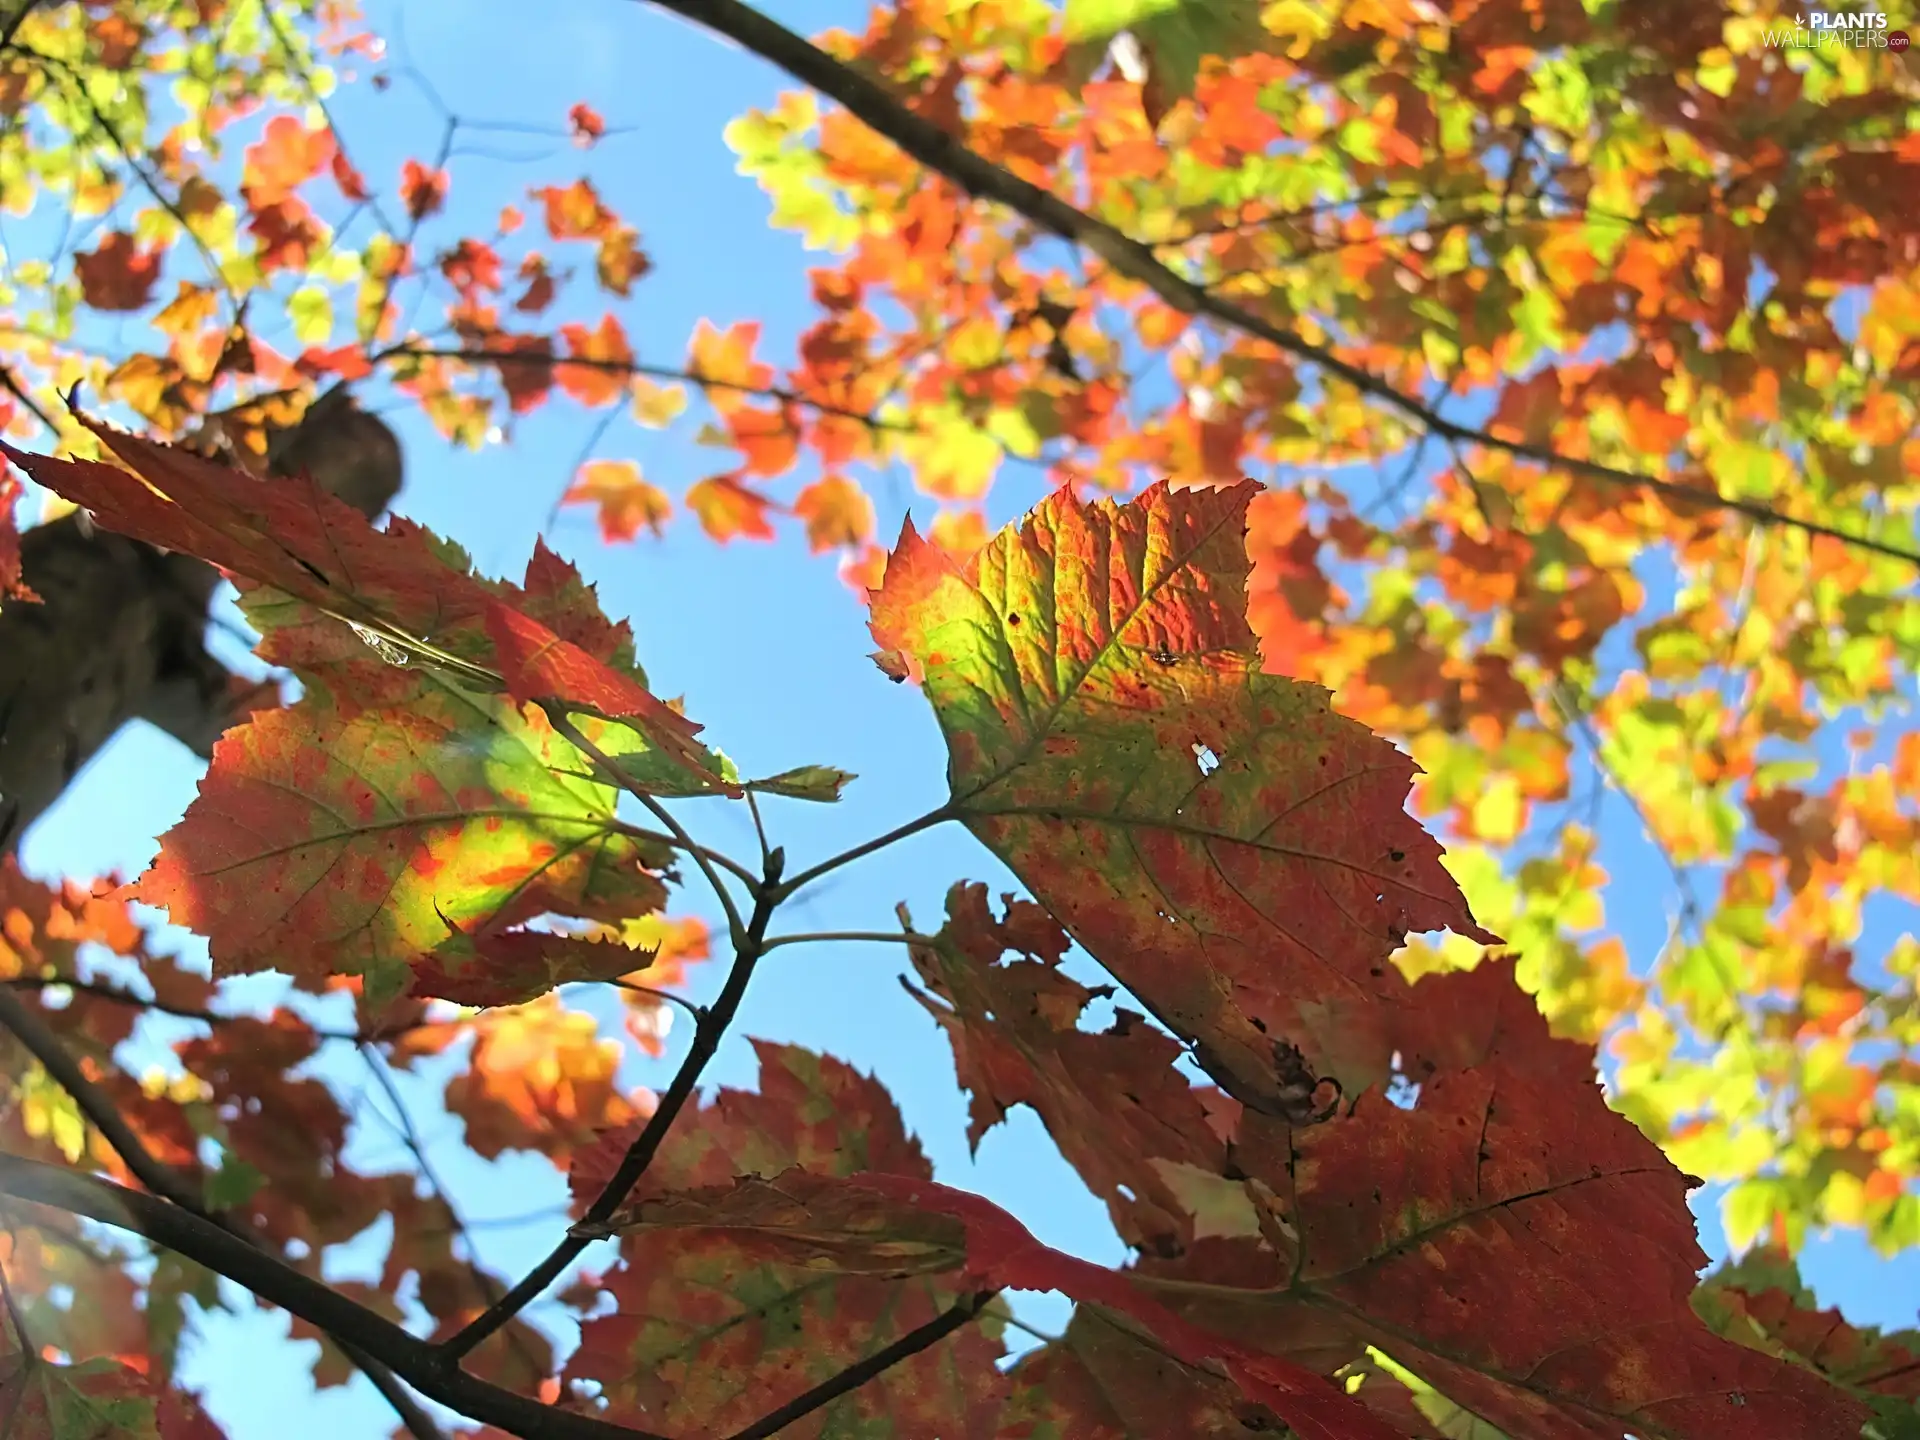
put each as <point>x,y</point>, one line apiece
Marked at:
<point>586,125</point>
<point>1760,1301</point>
<point>837,513</point>
<point>369,865</point>
<point>286,156</point>
<point>604,379</point>
<point>1234,852</point>
<point>423,191</point>
<point>95,1400</point>
<point>117,274</point>
<point>626,501</point>
<point>881,1225</point>
<point>1504,1162</point>
<point>706,1335</point>
<point>726,509</point>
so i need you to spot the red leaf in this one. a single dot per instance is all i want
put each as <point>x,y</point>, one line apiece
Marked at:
<point>117,274</point>
<point>424,191</point>
<point>586,124</point>
<point>352,183</point>
<point>516,965</point>
<point>539,665</point>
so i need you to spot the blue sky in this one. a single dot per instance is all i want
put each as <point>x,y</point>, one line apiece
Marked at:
<point>765,642</point>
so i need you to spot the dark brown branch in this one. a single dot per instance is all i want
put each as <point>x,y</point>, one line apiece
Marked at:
<point>933,147</point>
<point>923,1337</point>
<point>707,1034</point>
<point>45,1046</point>
<point>201,1240</point>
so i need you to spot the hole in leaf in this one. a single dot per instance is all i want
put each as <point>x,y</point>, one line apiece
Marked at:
<point>1402,1091</point>
<point>1124,1192</point>
<point>1209,762</point>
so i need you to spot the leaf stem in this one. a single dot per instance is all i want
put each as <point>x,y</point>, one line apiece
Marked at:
<point>881,937</point>
<point>847,857</point>
<point>923,1337</point>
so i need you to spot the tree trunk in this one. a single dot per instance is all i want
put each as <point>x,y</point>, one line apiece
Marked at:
<point>120,633</point>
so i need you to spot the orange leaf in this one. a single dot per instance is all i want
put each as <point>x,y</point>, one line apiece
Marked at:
<point>727,508</point>
<point>586,124</point>
<point>626,501</point>
<point>837,512</point>
<point>574,212</point>
<point>286,156</point>
<point>601,383</point>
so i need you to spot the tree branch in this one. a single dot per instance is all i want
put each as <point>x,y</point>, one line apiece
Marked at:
<point>707,1034</point>
<point>46,1047</point>
<point>939,151</point>
<point>923,1337</point>
<point>201,1240</point>
<point>879,937</point>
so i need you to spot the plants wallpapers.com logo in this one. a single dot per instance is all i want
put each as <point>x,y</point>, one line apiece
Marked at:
<point>1854,30</point>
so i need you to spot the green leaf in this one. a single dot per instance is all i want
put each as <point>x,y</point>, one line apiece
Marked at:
<point>806,782</point>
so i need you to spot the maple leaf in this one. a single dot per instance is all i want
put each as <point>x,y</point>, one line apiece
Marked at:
<point>117,274</point>
<point>603,382</point>
<point>837,513</point>
<point>727,508</point>
<point>586,124</point>
<point>708,1336</point>
<point>1760,1301</point>
<point>1391,1224</point>
<point>381,863</point>
<point>1234,852</point>
<point>286,156</point>
<point>1104,1096</point>
<point>423,191</point>
<point>896,1225</point>
<point>626,500</point>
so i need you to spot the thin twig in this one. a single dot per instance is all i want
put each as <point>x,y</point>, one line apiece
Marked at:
<point>612,773</point>
<point>201,1240</point>
<point>926,142</point>
<point>707,1034</point>
<point>847,857</point>
<point>922,1337</point>
<point>485,1285</point>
